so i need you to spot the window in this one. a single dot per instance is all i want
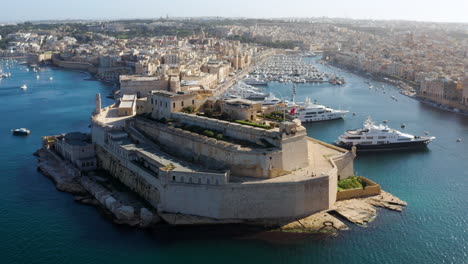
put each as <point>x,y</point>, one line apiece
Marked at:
<point>369,137</point>
<point>152,101</point>
<point>193,102</point>
<point>182,103</point>
<point>173,105</point>
<point>381,137</point>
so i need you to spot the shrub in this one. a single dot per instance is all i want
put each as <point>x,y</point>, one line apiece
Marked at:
<point>248,123</point>
<point>188,109</point>
<point>208,133</point>
<point>208,113</point>
<point>219,136</point>
<point>352,182</point>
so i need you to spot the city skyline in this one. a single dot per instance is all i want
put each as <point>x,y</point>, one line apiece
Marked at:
<point>419,10</point>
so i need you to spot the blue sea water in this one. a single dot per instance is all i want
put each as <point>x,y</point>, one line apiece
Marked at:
<point>41,225</point>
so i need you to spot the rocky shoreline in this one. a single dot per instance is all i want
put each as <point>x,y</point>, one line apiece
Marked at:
<point>126,208</point>
<point>95,190</point>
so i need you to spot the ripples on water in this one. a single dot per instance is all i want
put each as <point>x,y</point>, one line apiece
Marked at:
<point>41,225</point>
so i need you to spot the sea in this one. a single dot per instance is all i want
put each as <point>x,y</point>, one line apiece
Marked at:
<point>39,224</point>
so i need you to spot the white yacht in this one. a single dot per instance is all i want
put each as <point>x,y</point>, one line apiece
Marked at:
<point>21,132</point>
<point>24,87</point>
<point>271,99</point>
<point>254,81</point>
<point>376,138</point>
<point>242,90</point>
<point>311,112</point>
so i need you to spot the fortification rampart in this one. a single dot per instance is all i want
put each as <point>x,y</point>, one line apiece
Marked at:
<point>215,154</point>
<point>230,129</point>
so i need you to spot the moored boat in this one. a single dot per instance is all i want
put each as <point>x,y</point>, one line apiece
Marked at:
<point>380,137</point>
<point>311,112</point>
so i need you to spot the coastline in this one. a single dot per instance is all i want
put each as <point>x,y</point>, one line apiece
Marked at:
<point>124,207</point>
<point>374,77</point>
<point>94,190</point>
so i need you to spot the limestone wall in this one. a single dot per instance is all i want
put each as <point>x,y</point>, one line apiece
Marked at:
<point>198,177</point>
<point>74,65</point>
<point>137,179</point>
<point>142,86</point>
<point>372,188</point>
<point>344,164</point>
<point>230,129</point>
<point>211,152</point>
<point>249,201</point>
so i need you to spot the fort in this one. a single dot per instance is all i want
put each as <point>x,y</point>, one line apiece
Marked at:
<point>187,156</point>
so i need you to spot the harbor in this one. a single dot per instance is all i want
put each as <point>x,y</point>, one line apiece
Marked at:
<point>417,177</point>
<point>289,68</point>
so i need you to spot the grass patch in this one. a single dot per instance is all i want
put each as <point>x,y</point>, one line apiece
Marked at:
<point>352,182</point>
<point>247,123</point>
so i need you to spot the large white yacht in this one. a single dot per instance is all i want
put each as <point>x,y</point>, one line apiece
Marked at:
<point>375,138</point>
<point>311,112</point>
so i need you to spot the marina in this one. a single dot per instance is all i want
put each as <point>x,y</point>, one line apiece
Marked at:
<point>287,68</point>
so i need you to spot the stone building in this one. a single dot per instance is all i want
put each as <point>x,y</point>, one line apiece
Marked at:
<point>142,85</point>
<point>77,148</point>
<point>163,103</point>
<point>240,109</point>
<point>127,105</point>
<point>465,91</point>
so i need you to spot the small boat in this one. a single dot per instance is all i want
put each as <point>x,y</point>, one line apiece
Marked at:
<point>21,132</point>
<point>24,87</point>
<point>51,78</point>
<point>37,77</point>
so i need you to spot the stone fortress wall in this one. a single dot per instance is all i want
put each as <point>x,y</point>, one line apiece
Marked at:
<point>253,200</point>
<point>215,154</point>
<point>230,129</point>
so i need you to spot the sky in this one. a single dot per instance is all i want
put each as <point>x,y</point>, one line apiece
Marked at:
<point>418,10</point>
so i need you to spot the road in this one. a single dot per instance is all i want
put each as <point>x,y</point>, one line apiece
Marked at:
<point>239,76</point>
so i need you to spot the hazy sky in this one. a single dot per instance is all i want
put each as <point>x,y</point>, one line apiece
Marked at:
<point>422,10</point>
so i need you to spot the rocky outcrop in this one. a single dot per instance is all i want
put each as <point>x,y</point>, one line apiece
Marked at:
<point>319,222</point>
<point>65,179</point>
<point>362,210</point>
<point>122,213</point>
<point>89,190</point>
